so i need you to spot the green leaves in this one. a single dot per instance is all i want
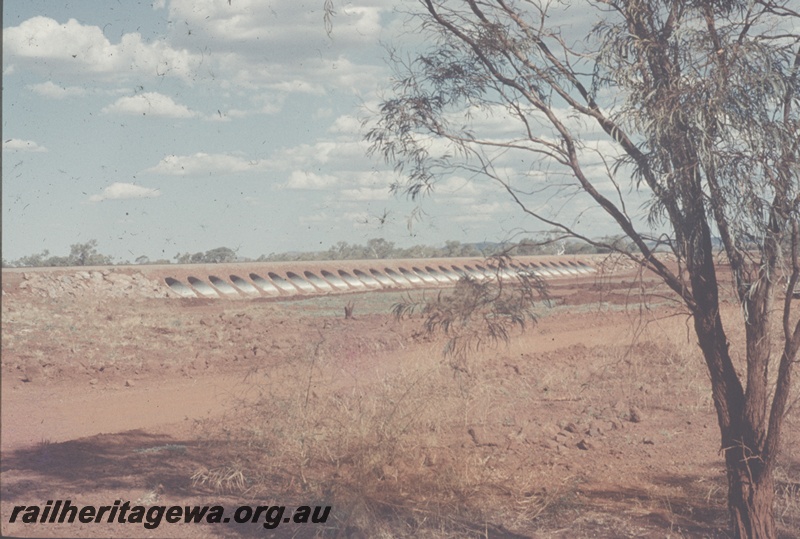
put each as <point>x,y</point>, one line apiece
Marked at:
<point>479,311</point>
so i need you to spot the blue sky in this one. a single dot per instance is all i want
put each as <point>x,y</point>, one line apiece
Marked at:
<point>184,125</point>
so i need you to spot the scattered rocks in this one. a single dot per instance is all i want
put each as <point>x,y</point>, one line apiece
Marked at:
<point>636,415</point>
<point>594,429</point>
<point>103,283</point>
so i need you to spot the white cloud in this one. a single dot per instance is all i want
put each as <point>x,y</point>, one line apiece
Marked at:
<point>365,193</point>
<point>205,164</point>
<point>279,47</point>
<point>339,154</point>
<point>19,145</point>
<point>54,91</point>
<point>300,179</point>
<point>280,21</point>
<point>124,191</point>
<point>282,45</point>
<point>269,104</point>
<point>346,125</point>
<point>78,48</point>
<point>152,103</point>
<point>297,86</point>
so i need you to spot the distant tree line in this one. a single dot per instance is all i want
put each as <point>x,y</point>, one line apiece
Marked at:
<point>378,248</point>
<point>86,254</point>
<point>80,254</point>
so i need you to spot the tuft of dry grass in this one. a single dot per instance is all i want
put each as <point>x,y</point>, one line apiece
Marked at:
<point>223,479</point>
<point>386,449</point>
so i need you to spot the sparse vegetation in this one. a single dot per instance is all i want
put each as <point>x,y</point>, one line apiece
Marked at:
<point>85,254</point>
<point>367,416</point>
<point>214,256</point>
<point>80,254</point>
<point>479,313</point>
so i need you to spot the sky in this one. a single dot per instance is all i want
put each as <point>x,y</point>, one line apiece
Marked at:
<point>170,126</point>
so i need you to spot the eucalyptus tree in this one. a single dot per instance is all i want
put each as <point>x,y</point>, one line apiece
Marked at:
<point>690,106</point>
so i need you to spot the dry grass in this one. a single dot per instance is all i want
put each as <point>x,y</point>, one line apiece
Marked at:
<point>381,428</point>
<point>411,447</point>
<point>395,451</point>
<point>223,479</point>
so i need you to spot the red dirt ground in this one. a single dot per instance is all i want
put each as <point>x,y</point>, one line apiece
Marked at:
<point>597,422</point>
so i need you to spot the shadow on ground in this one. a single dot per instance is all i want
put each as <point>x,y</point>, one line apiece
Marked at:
<point>96,470</point>
<point>92,470</point>
<point>130,460</point>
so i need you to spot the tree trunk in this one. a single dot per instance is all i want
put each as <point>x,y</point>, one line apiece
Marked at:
<point>750,484</point>
<point>750,498</point>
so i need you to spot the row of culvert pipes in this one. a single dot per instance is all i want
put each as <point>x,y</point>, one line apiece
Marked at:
<point>326,281</point>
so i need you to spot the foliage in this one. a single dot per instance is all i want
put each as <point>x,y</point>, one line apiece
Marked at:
<point>375,248</point>
<point>479,312</point>
<point>81,254</point>
<point>213,256</point>
<point>379,248</point>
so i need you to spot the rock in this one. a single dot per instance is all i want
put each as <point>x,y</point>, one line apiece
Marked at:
<point>594,432</point>
<point>550,444</point>
<point>584,445</point>
<point>571,427</point>
<point>129,383</point>
<point>648,441</point>
<point>93,382</point>
<point>636,415</point>
<point>31,373</point>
